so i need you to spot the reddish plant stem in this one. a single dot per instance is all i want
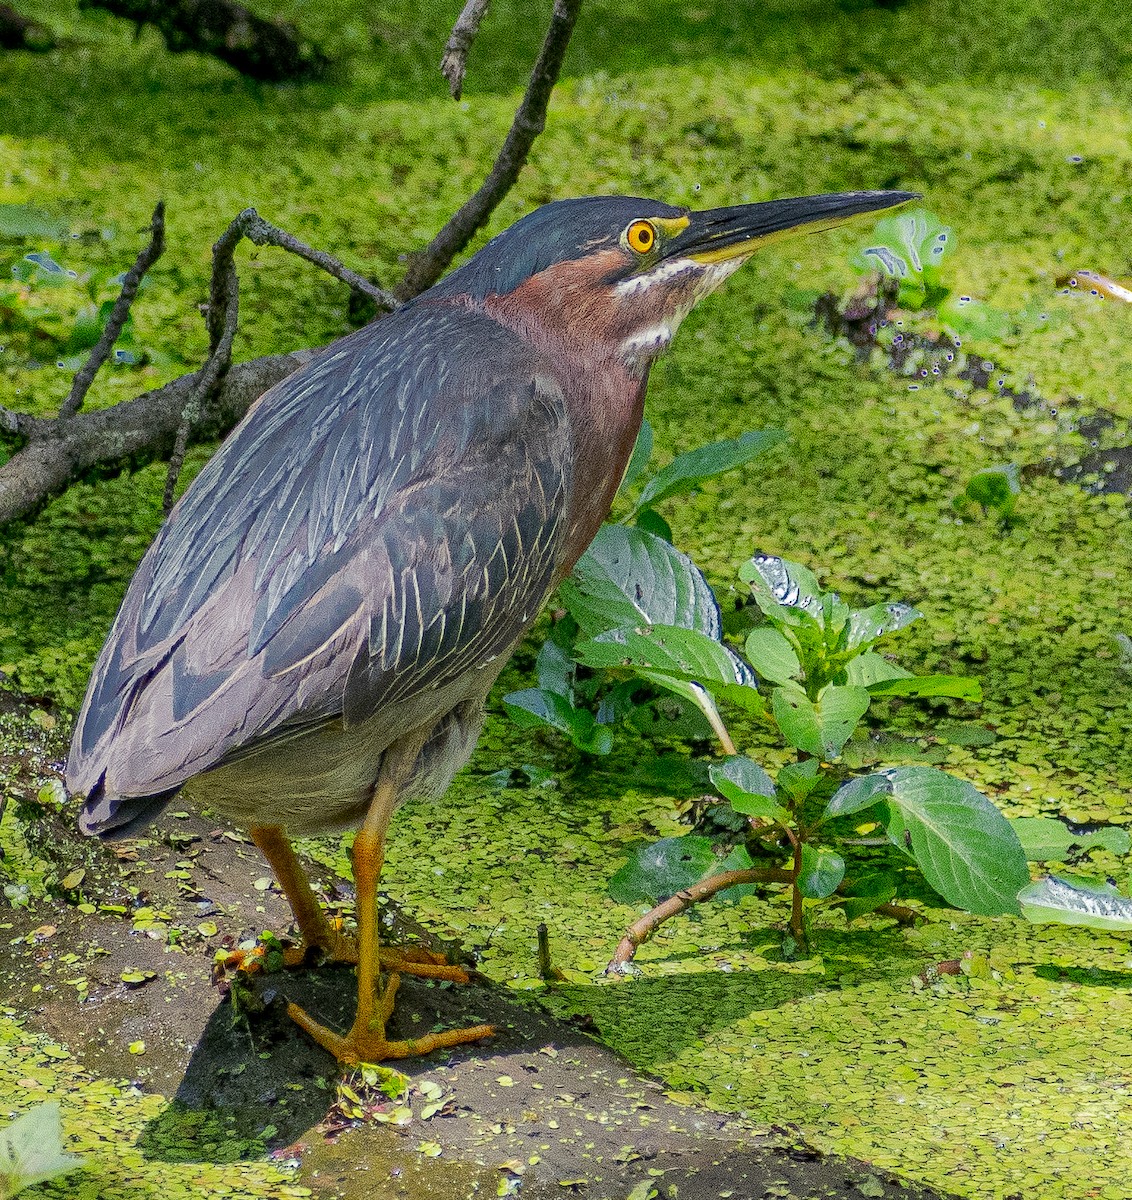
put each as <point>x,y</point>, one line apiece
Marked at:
<point>644,927</point>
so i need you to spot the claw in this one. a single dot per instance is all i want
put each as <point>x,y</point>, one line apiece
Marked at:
<point>368,1044</point>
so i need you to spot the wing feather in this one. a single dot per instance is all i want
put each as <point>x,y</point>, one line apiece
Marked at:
<point>382,522</point>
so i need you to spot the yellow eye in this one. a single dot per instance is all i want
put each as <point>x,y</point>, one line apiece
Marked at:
<point>641,236</point>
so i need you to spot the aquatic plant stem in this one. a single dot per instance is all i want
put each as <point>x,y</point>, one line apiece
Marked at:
<point>644,927</point>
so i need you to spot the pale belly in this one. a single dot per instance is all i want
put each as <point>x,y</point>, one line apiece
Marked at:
<point>321,779</point>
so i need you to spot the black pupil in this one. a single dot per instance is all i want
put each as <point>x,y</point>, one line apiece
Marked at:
<point>644,235</point>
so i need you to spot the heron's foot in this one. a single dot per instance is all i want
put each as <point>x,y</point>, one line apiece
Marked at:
<point>366,1041</point>
<point>269,955</point>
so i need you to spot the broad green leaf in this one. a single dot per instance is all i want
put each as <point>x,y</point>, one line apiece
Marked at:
<point>777,583</point>
<point>1046,839</point>
<point>821,728</point>
<point>554,666</point>
<point>638,460</point>
<point>964,846</point>
<point>748,787</point>
<point>1071,903</point>
<point>652,522</point>
<point>857,794</point>
<point>687,471</point>
<point>957,687</point>
<point>533,707</point>
<point>822,871</point>
<point>866,625</point>
<point>666,651</point>
<point>772,656</point>
<point>31,1150</point>
<point>869,668</point>
<point>737,860</point>
<point>799,780</point>
<point>996,487</point>
<point>630,577</point>
<point>742,695</point>
<point>658,871</point>
<point>867,893</point>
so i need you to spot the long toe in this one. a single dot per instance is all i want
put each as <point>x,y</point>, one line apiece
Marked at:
<point>372,1046</point>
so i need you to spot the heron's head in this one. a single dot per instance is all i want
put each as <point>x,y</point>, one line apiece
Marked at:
<point>624,272</point>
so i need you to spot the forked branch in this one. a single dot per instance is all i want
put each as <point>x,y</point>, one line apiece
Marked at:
<point>50,453</point>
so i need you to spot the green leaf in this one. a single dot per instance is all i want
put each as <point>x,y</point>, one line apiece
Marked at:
<point>31,1150</point>
<point>737,860</point>
<point>638,460</point>
<point>1046,839</point>
<point>957,687</point>
<point>866,625</point>
<point>821,729</point>
<point>1072,903</point>
<point>652,522</point>
<point>799,780</point>
<point>964,846</point>
<point>772,656</point>
<point>630,577</point>
<point>857,794</point>
<point>666,652</point>
<point>533,707</point>
<point>869,668</point>
<point>777,584</point>
<point>996,487</point>
<point>748,787</point>
<point>909,247</point>
<point>822,871</point>
<point>655,872</point>
<point>554,666</point>
<point>867,893</point>
<point>687,471</point>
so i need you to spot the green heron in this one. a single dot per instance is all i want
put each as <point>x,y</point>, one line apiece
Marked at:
<point>311,637</point>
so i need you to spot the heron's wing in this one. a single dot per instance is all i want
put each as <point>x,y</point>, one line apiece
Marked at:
<point>384,521</point>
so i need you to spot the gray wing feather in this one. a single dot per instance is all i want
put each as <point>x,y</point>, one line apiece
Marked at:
<point>382,522</point>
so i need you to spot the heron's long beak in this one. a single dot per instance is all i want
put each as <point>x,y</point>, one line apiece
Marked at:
<point>718,234</point>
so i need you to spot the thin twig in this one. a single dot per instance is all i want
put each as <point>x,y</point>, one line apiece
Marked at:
<point>455,60</point>
<point>263,233</point>
<point>428,265</point>
<point>223,318</point>
<point>644,927</point>
<point>546,969</point>
<point>84,377</point>
<point>898,912</point>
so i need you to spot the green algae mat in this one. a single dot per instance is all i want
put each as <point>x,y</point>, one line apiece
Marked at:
<point>1009,1078</point>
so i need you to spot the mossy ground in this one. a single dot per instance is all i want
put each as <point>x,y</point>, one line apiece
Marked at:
<point>1014,123</point>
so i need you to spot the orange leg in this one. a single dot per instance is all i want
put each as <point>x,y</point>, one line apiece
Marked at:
<point>366,1041</point>
<point>318,935</point>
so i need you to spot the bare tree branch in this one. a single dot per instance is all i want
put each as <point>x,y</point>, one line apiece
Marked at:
<point>455,60</point>
<point>426,267</point>
<point>223,318</point>
<point>129,435</point>
<point>51,453</point>
<point>17,32</point>
<point>84,377</point>
<point>263,233</point>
